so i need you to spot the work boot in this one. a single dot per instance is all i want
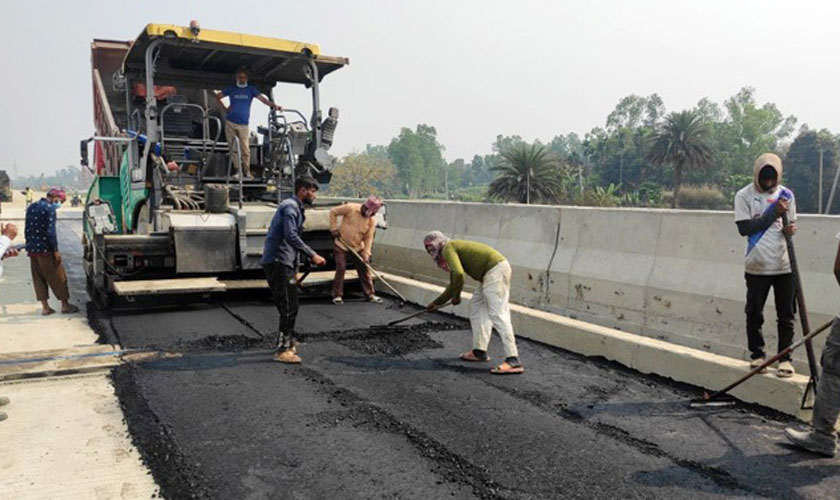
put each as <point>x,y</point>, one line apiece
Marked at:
<point>374,299</point>
<point>288,356</point>
<point>338,301</point>
<point>813,440</point>
<point>4,400</point>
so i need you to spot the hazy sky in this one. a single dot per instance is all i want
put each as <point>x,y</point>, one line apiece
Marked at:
<point>472,69</point>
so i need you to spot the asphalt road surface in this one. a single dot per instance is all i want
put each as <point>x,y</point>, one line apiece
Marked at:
<point>394,414</point>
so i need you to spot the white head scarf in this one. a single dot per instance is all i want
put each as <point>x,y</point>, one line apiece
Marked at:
<point>437,240</point>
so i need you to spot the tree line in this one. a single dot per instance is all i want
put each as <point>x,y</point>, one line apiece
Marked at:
<point>644,155</point>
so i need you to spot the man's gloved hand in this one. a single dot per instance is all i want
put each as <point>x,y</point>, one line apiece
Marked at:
<point>431,307</point>
<point>365,255</point>
<point>456,301</point>
<point>317,260</point>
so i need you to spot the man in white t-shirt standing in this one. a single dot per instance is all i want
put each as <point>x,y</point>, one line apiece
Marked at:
<point>758,211</point>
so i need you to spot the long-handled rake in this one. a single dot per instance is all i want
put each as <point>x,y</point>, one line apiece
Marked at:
<point>721,398</point>
<point>385,328</point>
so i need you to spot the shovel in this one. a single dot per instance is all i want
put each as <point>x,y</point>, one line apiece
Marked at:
<point>720,398</point>
<point>370,269</point>
<point>385,328</point>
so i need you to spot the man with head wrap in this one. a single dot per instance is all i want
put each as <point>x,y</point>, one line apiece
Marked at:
<point>44,258</point>
<point>356,230</point>
<point>489,307</point>
<point>758,211</point>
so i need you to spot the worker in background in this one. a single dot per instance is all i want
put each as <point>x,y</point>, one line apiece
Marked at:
<point>822,438</point>
<point>283,244</point>
<point>489,307</point>
<point>238,114</point>
<point>357,229</point>
<point>44,257</point>
<point>28,195</point>
<point>758,210</point>
<point>8,232</point>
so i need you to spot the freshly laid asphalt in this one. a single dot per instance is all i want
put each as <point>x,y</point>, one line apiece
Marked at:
<point>374,414</point>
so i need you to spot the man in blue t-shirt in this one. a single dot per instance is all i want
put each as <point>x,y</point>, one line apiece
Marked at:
<point>236,120</point>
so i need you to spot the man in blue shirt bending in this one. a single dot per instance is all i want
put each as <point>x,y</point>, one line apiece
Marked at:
<point>238,112</point>
<point>283,244</point>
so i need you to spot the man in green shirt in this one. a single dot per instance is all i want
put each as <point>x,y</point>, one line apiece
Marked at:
<point>489,307</point>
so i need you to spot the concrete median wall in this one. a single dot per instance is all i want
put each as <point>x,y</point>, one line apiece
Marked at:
<point>672,275</point>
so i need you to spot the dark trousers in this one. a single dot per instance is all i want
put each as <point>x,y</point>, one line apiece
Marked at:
<point>48,273</point>
<point>281,281</point>
<point>784,291</point>
<point>341,267</point>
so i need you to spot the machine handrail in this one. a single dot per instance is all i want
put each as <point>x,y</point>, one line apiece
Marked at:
<point>204,117</point>
<point>272,112</point>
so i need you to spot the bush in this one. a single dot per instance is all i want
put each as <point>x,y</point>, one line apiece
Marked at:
<point>703,197</point>
<point>650,193</point>
<point>472,193</point>
<point>601,196</point>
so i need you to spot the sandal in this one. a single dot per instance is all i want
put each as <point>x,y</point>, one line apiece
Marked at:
<point>472,358</point>
<point>755,363</point>
<point>70,309</point>
<point>288,356</point>
<point>785,370</point>
<point>506,369</point>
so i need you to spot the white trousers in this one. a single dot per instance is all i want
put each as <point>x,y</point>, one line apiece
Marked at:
<point>489,309</point>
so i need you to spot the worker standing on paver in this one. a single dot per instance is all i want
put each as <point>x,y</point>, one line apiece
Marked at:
<point>8,232</point>
<point>489,307</point>
<point>238,115</point>
<point>357,229</point>
<point>758,210</point>
<point>822,438</point>
<point>44,258</point>
<point>283,244</point>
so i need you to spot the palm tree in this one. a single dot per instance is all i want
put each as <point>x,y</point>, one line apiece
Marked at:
<point>526,172</point>
<point>682,140</point>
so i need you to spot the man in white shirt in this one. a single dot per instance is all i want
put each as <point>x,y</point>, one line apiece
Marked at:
<point>758,211</point>
<point>822,438</point>
<point>7,234</point>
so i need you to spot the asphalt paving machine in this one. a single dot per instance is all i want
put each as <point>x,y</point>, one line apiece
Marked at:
<point>165,213</point>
